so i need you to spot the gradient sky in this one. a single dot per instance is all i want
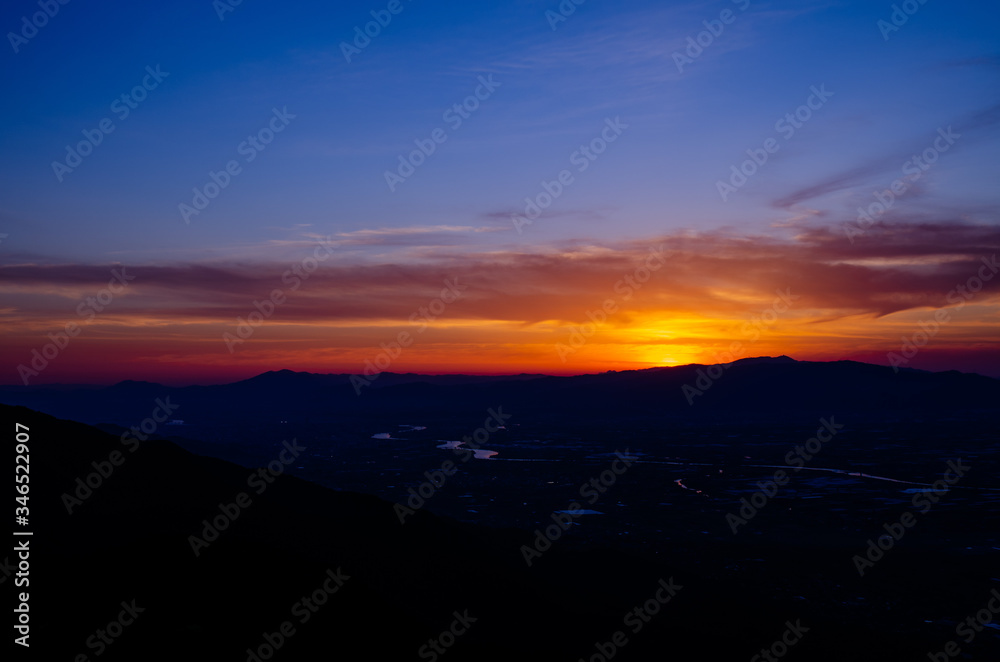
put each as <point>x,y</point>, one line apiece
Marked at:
<point>655,187</point>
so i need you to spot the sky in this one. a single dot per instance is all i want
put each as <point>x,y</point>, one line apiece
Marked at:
<point>198,192</point>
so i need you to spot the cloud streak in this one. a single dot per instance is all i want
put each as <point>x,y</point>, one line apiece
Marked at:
<point>708,273</point>
<point>518,304</point>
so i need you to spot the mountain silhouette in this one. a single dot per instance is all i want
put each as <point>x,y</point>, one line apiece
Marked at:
<point>753,388</point>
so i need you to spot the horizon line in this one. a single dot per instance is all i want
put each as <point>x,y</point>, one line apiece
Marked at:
<point>171,384</point>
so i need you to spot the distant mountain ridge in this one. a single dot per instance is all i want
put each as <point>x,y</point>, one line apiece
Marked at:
<point>754,387</point>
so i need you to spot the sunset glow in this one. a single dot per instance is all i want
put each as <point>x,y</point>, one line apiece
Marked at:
<point>713,300</point>
<point>603,199</point>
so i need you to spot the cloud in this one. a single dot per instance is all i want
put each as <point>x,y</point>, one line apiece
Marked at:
<point>887,167</point>
<point>980,61</point>
<point>840,181</point>
<point>441,235</point>
<point>516,305</point>
<point>575,214</point>
<point>712,273</point>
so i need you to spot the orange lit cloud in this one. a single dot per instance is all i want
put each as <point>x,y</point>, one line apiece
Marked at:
<point>518,309</point>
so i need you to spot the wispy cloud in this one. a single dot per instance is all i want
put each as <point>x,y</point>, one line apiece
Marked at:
<point>706,273</point>
<point>883,169</point>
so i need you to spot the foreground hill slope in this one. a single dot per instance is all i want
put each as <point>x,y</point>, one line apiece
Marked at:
<point>129,540</point>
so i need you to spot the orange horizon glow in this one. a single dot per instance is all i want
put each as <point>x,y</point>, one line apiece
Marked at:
<point>710,299</point>
<point>489,347</point>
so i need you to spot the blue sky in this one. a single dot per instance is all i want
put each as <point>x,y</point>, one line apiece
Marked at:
<point>667,122</point>
<point>557,87</point>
